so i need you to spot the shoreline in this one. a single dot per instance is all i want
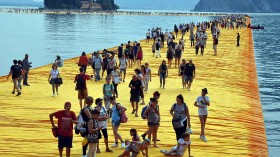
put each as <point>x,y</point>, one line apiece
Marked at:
<point>235,126</point>
<point>80,11</point>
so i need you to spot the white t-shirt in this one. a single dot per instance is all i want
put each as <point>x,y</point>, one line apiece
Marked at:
<point>123,62</point>
<point>201,102</point>
<point>103,124</point>
<point>148,34</point>
<point>97,62</point>
<point>54,73</point>
<point>112,63</point>
<point>183,146</point>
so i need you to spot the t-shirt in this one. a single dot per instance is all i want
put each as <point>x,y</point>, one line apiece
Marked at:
<point>65,124</point>
<point>123,63</point>
<point>183,146</point>
<point>54,73</point>
<point>83,60</point>
<point>137,84</point>
<point>112,63</point>
<point>201,102</point>
<point>157,45</point>
<point>108,89</point>
<point>13,69</point>
<point>86,77</point>
<point>189,69</point>
<point>148,34</point>
<point>102,124</point>
<point>97,62</point>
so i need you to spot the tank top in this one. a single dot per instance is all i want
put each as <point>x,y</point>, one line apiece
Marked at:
<point>115,113</point>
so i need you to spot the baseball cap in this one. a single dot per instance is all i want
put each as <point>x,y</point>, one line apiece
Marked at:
<point>205,90</point>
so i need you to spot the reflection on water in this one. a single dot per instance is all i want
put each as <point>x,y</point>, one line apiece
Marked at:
<point>267,57</point>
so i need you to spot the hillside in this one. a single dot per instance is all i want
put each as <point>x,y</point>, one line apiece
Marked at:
<point>245,6</point>
<point>186,5</point>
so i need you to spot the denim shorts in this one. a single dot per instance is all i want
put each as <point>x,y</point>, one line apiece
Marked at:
<point>116,122</point>
<point>189,78</point>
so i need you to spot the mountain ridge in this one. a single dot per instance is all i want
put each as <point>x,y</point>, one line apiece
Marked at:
<point>239,6</point>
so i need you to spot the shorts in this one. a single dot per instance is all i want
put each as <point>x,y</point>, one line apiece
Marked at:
<point>154,51</point>
<point>148,37</point>
<point>65,141</point>
<point>175,150</point>
<point>189,78</point>
<point>104,132</point>
<point>153,124</point>
<point>134,97</point>
<point>82,94</point>
<point>123,70</point>
<point>116,122</point>
<point>52,81</point>
<point>139,58</point>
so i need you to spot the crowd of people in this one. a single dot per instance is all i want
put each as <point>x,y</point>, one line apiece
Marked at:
<point>92,121</point>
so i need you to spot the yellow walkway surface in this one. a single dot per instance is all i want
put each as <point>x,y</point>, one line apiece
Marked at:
<point>235,126</point>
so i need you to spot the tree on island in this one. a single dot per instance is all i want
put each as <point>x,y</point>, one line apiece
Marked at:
<point>74,4</point>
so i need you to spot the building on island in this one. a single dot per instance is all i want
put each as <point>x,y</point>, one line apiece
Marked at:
<point>90,5</point>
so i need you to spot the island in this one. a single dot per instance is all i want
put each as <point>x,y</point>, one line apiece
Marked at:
<point>95,5</point>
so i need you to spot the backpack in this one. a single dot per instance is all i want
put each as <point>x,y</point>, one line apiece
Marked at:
<point>17,71</point>
<point>81,127</point>
<point>123,116</point>
<point>143,111</point>
<point>81,83</point>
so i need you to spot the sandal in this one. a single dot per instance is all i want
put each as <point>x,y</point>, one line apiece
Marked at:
<point>133,112</point>
<point>136,115</point>
<point>109,150</point>
<point>98,151</point>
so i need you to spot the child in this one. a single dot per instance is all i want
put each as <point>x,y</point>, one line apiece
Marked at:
<point>179,150</point>
<point>135,146</point>
<point>154,49</point>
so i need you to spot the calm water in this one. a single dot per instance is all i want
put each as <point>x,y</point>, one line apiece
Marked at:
<point>267,53</point>
<point>45,36</point>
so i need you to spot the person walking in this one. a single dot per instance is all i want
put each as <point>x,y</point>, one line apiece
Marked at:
<point>170,56</point>
<point>141,77</point>
<point>81,86</point>
<point>162,73</point>
<point>135,88</point>
<point>148,77</point>
<point>108,91</point>
<point>117,109</point>
<point>139,55</point>
<point>189,74</point>
<point>182,71</point>
<point>26,67</point>
<point>238,39</point>
<point>181,117</point>
<point>192,37</point>
<point>116,79</point>
<point>97,64</point>
<point>153,117</point>
<point>66,118</point>
<point>54,73</point>
<point>202,102</point>
<point>102,123</point>
<point>15,71</point>
<point>83,61</point>
<point>158,46</point>
<point>86,115</point>
<point>93,130</point>
<point>215,45</point>
<point>58,61</point>
<point>21,75</point>
<point>123,67</point>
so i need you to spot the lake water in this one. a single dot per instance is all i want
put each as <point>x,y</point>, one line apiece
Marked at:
<point>44,36</point>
